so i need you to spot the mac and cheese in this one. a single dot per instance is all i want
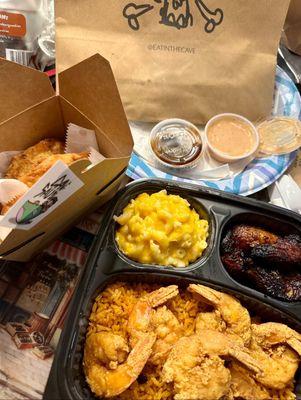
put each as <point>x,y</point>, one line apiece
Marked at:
<point>161,229</point>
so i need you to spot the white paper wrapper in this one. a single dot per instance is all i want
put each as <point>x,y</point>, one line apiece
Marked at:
<point>11,188</point>
<point>95,157</point>
<point>77,140</point>
<point>207,168</point>
<point>80,139</point>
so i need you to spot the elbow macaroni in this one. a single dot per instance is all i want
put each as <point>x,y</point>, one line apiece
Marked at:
<point>161,229</point>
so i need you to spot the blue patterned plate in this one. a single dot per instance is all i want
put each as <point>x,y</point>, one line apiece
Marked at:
<point>261,172</point>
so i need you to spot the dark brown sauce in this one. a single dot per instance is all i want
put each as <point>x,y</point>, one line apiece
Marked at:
<point>177,145</point>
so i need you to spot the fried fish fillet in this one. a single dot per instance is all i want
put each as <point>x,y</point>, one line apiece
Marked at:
<point>35,174</point>
<point>23,163</point>
<point>30,165</point>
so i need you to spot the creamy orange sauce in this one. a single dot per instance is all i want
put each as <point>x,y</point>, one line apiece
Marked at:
<point>231,136</point>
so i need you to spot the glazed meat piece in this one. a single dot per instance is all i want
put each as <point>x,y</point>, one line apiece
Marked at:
<point>264,260</point>
<point>271,282</point>
<point>285,252</point>
<point>236,262</point>
<point>245,237</point>
<point>275,284</point>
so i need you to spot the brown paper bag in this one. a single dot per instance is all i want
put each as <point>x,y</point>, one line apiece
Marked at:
<point>292,27</point>
<point>188,59</point>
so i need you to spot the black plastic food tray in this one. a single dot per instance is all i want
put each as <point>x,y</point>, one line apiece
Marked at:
<point>106,264</point>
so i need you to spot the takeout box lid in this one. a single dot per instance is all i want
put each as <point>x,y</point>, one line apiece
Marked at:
<point>21,88</point>
<point>90,86</point>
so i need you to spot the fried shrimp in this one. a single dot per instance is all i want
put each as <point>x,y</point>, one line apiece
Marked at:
<point>140,317</point>
<point>273,333</point>
<point>235,318</point>
<point>277,349</point>
<point>168,343</point>
<point>244,386</point>
<point>227,346</point>
<point>210,320</point>
<point>187,365</point>
<point>168,330</point>
<point>105,381</point>
<point>108,348</point>
<point>195,376</point>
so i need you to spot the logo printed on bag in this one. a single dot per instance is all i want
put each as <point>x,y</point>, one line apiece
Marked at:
<point>174,13</point>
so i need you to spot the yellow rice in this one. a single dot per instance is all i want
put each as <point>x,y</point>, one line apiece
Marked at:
<point>110,312</point>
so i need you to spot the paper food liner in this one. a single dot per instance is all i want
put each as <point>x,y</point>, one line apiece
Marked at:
<point>10,189</point>
<point>80,139</point>
<point>77,140</point>
<point>279,135</point>
<point>207,168</point>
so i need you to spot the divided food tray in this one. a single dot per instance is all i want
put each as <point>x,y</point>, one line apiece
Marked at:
<point>106,264</point>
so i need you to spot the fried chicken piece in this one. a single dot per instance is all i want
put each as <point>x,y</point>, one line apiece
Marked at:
<point>35,174</point>
<point>24,162</point>
<point>285,253</point>
<point>245,237</point>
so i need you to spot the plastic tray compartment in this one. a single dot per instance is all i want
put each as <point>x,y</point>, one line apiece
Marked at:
<point>71,384</point>
<point>106,264</point>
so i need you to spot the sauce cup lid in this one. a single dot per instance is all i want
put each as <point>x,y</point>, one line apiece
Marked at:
<point>279,135</point>
<point>176,143</point>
